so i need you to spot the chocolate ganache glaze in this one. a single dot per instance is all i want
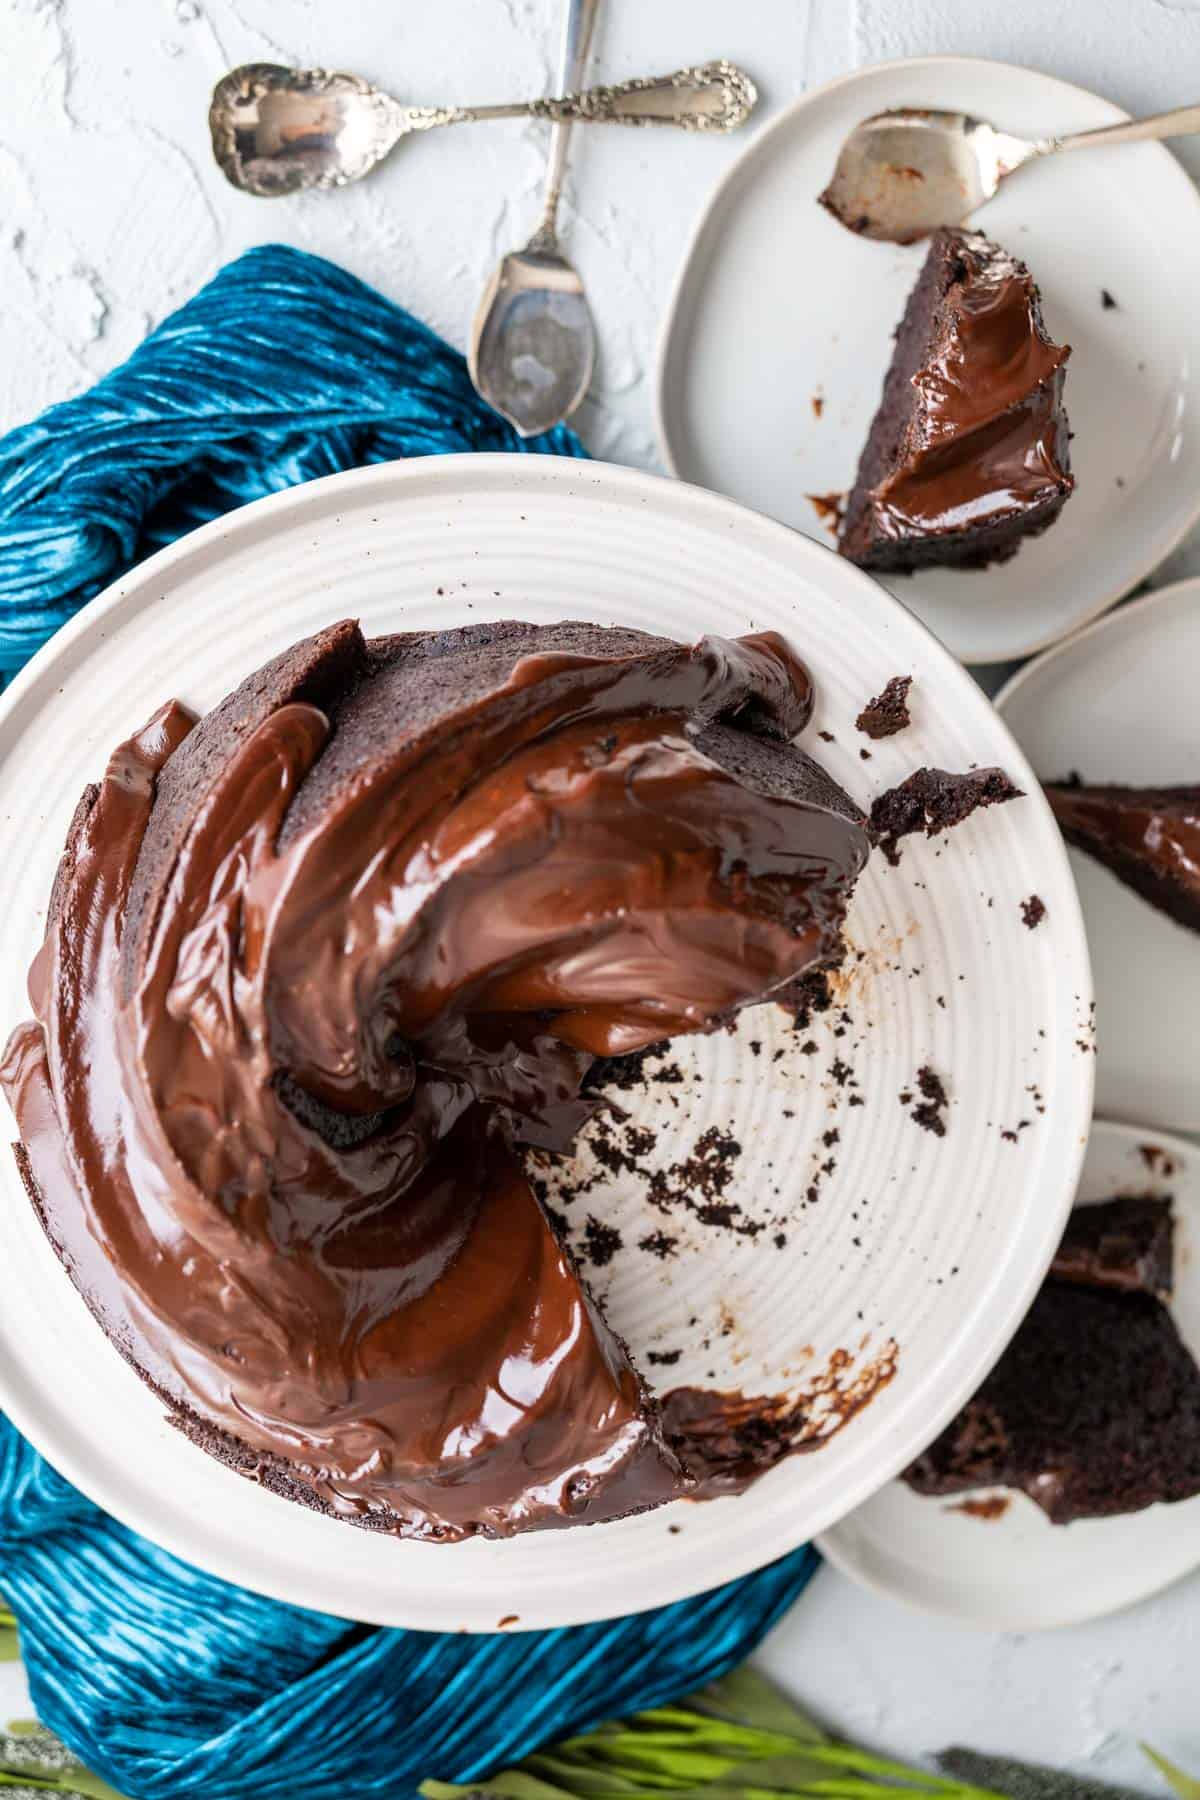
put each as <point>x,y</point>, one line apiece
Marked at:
<point>1148,837</point>
<point>969,451</point>
<point>320,964</point>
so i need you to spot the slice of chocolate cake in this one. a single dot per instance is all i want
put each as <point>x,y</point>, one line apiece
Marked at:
<point>1148,837</point>
<point>1094,1408</point>
<point>968,453</point>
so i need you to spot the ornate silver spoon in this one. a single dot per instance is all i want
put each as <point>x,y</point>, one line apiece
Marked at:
<point>533,344</point>
<point>902,174</point>
<point>277,130</point>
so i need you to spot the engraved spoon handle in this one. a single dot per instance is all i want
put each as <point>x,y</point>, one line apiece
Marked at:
<point>714,96</point>
<point>1177,123</point>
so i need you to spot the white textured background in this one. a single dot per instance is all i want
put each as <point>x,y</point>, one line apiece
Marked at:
<point>112,213</point>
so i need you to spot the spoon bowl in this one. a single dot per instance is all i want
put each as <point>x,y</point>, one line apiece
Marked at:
<point>278,131</point>
<point>905,173</point>
<point>533,346</point>
<point>902,175</point>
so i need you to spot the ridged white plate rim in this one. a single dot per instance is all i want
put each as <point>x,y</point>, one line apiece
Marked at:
<point>875,1452</point>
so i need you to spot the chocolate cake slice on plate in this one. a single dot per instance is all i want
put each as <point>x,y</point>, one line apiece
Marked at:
<point>1094,1408</point>
<point>1148,837</point>
<point>968,453</point>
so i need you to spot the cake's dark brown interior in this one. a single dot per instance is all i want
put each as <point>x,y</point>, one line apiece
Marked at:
<point>1127,1244</point>
<point>321,964</point>
<point>1149,838</point>
<point>969,451</point>
<point>1094,1408</point>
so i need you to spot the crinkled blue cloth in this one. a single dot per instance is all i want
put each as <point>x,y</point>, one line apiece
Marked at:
<point>169,1682</point>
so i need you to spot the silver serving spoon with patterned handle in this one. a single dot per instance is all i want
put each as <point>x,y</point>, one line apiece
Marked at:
<point>905,173</point>
<point>533,343</point>
<point>277,130</point>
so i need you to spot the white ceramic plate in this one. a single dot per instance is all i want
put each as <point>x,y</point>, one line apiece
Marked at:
<point>1017,1572</point>
<point>1118,703</point>
<point>780,310</point>
<point>937,1244</point>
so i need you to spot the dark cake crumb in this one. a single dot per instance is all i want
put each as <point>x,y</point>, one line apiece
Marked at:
<point>698,1183</point>
<point>806,995</point>
<point>1033,911</point>
<point>622,1073</point>
<point>1107,301</point>
<point>888,712</point>
<point>600,1241</point>
<point>932,801</point>
<point>934,1100</point>
<point>659,1243</point>
<point>664,1359</point>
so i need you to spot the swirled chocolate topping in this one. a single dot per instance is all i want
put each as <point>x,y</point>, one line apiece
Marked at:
<point>319,965</point>
<point>969,451</point>
<point>1148,837</point>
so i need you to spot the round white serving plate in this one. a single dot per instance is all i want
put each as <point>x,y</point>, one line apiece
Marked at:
<point>778,307</point>
<point>1018,1572</point>
<point>1118,703</point>
<point>938,1244</point>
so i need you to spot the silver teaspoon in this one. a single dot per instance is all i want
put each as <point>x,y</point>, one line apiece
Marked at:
<point>902,174</point>
<point>533,344</point>
<point>277,130</point>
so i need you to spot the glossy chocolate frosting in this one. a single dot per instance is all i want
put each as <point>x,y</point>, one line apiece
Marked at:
<point>1148,837</point>
<point>318,966</point>
<point>971,441</point>
<point>985,436</point>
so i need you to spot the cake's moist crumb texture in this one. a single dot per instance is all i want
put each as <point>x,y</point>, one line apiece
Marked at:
<point>969,451</point>
<point>1127,1243</point>
<point>888,712</point>
<point>1148,837</point>
<point>325,968</point>
<point>1094,1408</point>
<point>932,801</point>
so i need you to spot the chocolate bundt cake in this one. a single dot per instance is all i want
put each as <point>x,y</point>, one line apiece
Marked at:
<point>321,963</point>
<point>1094,1408</point>
<point>968,453</point>
<point>1148,837</point>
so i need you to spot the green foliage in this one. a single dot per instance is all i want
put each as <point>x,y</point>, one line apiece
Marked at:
<point>740,1739</point>
<point>1186,1786</point>
<point>33,1760</point>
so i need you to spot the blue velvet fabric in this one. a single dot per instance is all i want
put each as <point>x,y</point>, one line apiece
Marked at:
<point>167,1681</point>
